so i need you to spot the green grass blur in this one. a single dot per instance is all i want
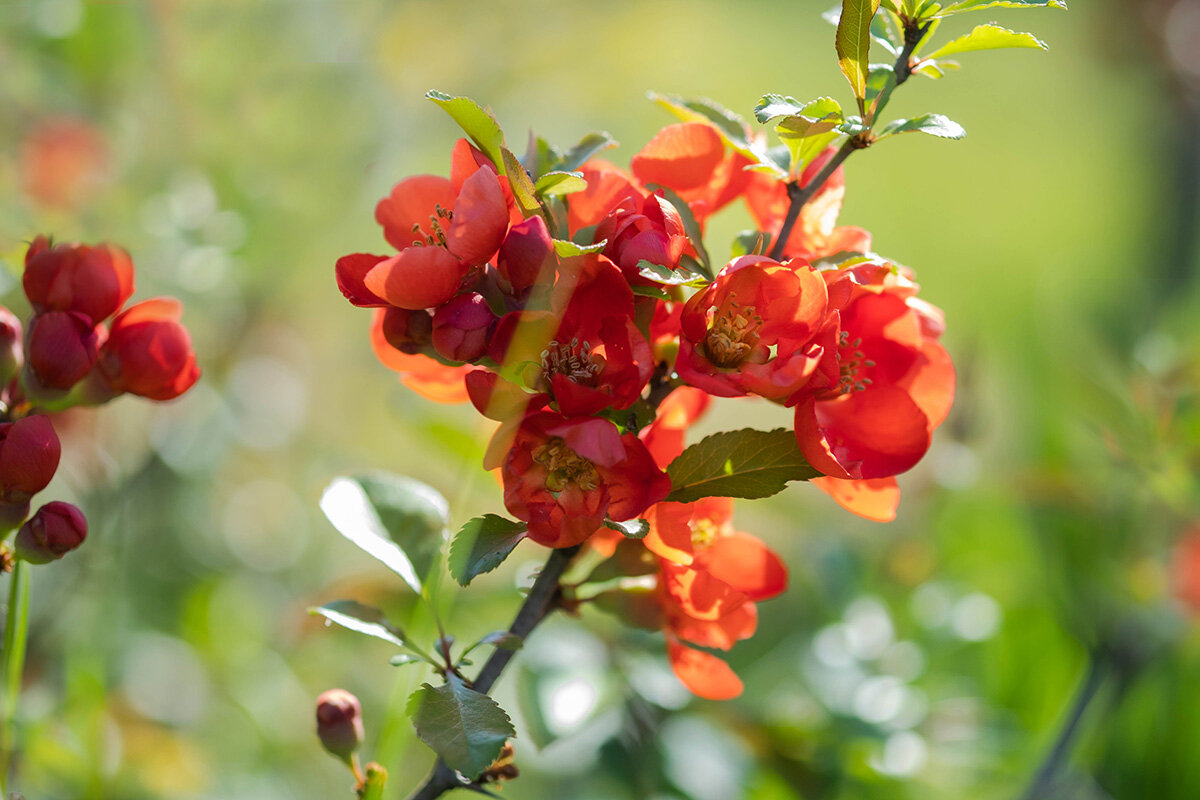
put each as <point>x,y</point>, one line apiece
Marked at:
<point>242,147</point>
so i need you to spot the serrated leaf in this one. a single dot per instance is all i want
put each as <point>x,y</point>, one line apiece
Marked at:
<point>588,148</point>
<point>464,727</point>
<point>346,505</point>
<point>988,37</point>
<point>809,131</point>
<point>853,42</point>
<point>521,183</point>
<point>771,106</point>
<point>414,514</point>
<point>669,277</point>
<point>355,616</point>
<point>932,124</point>
<point>482,545</point>
<point>881,30</point>
<point>978,5</point>
<point>556,183</point>
<point>745,463</point>
<point>630,529</point>
<point>567,249</point>
<point>477,122</point>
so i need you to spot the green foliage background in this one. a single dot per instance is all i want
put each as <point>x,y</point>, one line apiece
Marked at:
<point>930,658</point>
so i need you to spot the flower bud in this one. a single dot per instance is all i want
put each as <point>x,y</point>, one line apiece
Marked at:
<point>12,515</point>
<point>55,530</point>
<point>29,452</point>
<point>148,352</point>
<point>90,280</point>
<point>63,347</point>
<point>339,723</point>
<point>12,355</point>
<point>461,327</point>
<point>408,331</point>
<point>526,257</point>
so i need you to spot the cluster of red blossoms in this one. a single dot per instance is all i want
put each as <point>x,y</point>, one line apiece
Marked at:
<point>569,324</point>
<point>69,356</point>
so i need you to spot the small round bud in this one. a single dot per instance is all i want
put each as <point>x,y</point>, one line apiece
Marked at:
<point>90,280</point>
<point>461,328</point>
<point>29,453</point>
<point>12,355</point>
<point>55,530</point>
<point>408,331</point>
<point>149,352</point>
<point>63,347</point>
<point>527,256</point>
<point>339,723</point>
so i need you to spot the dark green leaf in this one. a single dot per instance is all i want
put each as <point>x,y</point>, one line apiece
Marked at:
<point>522,184</point>
<point>932,124</point>
<point>631,529</point>
<point>988,37</point>
<point>589,147</point>
<point>555,184</point>
<point>414,514</point>
<point>466,728</point>
<point>854,43</point>
<point>347,505</point>
<point>482,545</point>
<point>746,463</point>
<point>477,122</point>
<point>366,619</point>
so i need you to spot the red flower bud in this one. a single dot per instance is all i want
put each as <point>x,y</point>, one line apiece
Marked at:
<point>408,331</point>
<point>12,515</point>
<point>148,352</point>
<point>93,281</point>
<point>461,327</point>
<point>55,530</point>
<point>339,723</point>
<point>63,347</point>
<point>29,452</point>
<point>12,355</point>
<point>527,256</point>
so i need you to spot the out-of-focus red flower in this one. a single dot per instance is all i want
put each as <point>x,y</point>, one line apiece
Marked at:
<point>149,352</point>
<point>61,160</point>
<point>92,280</point>
<point>752,330</point>
<point>876,499</point>
<point>563,476</point>
<point>816,233</point>
<point>883,388</point>
<point>63,348</point>
<point>691,159</point>
<point>650,229</point>
<point>462,327</point>
<point>29,453</point>
<point>607,186</point>
<point>1185,569</point>
<point>339,723</point>
<point>702,673</point>
<point>55,530</point>
<point>425,376</point>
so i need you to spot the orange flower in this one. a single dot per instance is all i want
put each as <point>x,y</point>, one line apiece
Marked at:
<point>692,159</point>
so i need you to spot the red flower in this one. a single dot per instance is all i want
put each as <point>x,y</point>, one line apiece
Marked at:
<point>29,453</point>
<point>650,229</point>
<point>691,159</point>
<point>526,258</point>
<point>90,280</point>
<point>563,477</point>
<point>883,388</point>
<point>752,330</point>
<point>148,352</point>
<point>63,347</point>
<point>462,327</point>
<point>876,499</point>
<point>607,186</point>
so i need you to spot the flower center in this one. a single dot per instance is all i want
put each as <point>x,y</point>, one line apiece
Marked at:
<point>732,334</point>
<point>850,361</point>
<point>704,533</point>
<point>574,359</point>
<point>437,236</point>
<point>564,467</point>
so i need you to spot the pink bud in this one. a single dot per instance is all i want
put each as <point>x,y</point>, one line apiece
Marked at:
<point>461,327</point>
<point>408,331</point>
<point>527,256</point>
<point>55,530</point>
<point>339,723</point>
<point>29,453</point>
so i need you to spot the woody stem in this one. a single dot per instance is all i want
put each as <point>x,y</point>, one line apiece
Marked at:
<point>542,599</point>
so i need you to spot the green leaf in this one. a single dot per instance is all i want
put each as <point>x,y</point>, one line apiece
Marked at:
<point>854,44</point>
<point>347,505</point>
<point>503,640</point>
<point>881,82</point>
<point>477,122</point>
<point>400,659</point>
<point>482,545</point>
<point>750,243</point>
<point>366,619</point>
<point>933,124</point>
<point>679,276</point>
<point>808,130</point>
<point>978,5</point>
<point>522,184</point>
<point>651,291</point>
<point>936,68</point>
<point>988,37</point>
<point>555,183</point>
<point>466,728</point>
<point>631,529</point>
<point>414,514</point>
<point>690,226</point>
<point>881,30</point>
<point>746,463</point>
<point>589,147</point>
<point>777,105</point>
<point>567,249</point>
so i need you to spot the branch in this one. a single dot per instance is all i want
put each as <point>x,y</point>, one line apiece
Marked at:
<point>542,599</point>
<point>800,195</point>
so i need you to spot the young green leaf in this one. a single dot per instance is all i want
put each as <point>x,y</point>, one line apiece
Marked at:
<point>347,505</point>
<point>522,184</point>
<point>482,545</point>
<point>854,44</point>
<point>932,124</point>
<point>366,619</point>
<point>464,727</point>
<point>567,249</point>
<point>745,463</point>
<point>680,276</point>
<point>936,68</point>
<point>414,514</point>
<point>632,529</point>
<point>988,37</point>
<point>555,183</point>
<point>503,640</point>
<point>750,243</point>
<point>978,5</point>
<point>808,130</point>
<point>589,147</point>
<point>477,122</point>
<point>881,82</point>
<point>882,30</point>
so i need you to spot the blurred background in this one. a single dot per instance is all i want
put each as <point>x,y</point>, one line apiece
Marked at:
<point>237,149</point>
